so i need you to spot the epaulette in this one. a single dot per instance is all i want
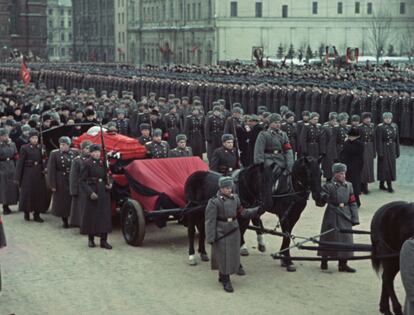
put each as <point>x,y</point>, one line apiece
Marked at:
<point>318,124</point>
<point>380,124</point>
<point>147,143</point>
<point>55,150</point>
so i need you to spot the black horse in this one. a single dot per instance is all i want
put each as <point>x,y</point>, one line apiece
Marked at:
<point>391,225</point>
<point>254,187</point>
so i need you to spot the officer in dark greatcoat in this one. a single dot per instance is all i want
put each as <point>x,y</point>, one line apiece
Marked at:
<point>95,199</point>
<point>30,177</point>
<point>194,130</point>
<point>289,126</point>
<point>58,167</point>
<point>388,151</point>
<point>367,132</point>
<point>9,191</point>
<point>181,150</point>
<point>74,184</point>
<point>225,159</point>
<point>340,213</point>
<point>214,127</point>
<point>122,123</point>
<point>312,139</point>
<point>172,125</point>
<point>145,130</point>
<point>157,148</point>
<point>341,131</point>
<point>330,145</point>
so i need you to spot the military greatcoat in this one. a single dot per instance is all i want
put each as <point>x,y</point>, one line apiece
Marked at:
<point>180,152</point>
<point>312,141</point>
<point>214,127</point>
<point>59,166</point>
<point>9,191</point>
<point>224,161</point>
<point>388,150</point>
<point>74,189</point>
<point>157,150</point>
<point>367,133</point>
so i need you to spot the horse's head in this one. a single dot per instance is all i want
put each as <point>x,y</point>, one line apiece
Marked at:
<point>307,173</point>
<point>255,184</point>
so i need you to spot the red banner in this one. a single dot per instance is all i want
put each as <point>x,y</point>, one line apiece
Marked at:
<point>24,73</point>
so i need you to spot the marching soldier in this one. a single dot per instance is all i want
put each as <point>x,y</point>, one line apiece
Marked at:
<point>9,191</point>
<point>367,132</point>
<point>341,132</point>
<point>340,213</point>
<point>224,159</point>
<point>388,151</point>
<point>30,178</point>
<point>330,145</point>
<point>299,126</point>
<point>145,136</point>
<point>59,165</point>
<point>312,140</point>
<point>95,199</point>
<point>74,183</point>
<point>181,150</point>
<point>157,148</point>
<point>214,127</point>
<point>223,233</point>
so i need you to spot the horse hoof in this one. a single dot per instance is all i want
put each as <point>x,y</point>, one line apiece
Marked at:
<point>398,312</point>
<point>192,261</point>
<point>244,252</point>
<point>291,268</point>
<point>204,257</point>
<point>261,248</point>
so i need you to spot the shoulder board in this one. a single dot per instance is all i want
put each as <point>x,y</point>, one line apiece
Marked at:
<point>318,125</point>
<point>380,124</point>
<point>306,124</point>
<point>147,143</point>
<point>371,125</point>
<point>189,116</point>
<point>55,150</point>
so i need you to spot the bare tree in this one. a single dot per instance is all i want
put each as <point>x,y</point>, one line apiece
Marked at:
<point>407,42</point>
<point>379,32</point>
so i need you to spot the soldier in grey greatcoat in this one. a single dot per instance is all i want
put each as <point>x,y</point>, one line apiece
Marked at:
<point>30,177</point>
<point>222,231</point>
<point>341,213</point>
<point>95,199</point>
<point>9,191</point>
<point>74,184</point>
<point>330,144</point>
<point>367,132</point>
<point>407,274</point>
<point>181,150</point>
<point>388,151</point>
<point>59,165</point>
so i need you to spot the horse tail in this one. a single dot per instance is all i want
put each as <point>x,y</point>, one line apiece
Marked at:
<point>375,261</point>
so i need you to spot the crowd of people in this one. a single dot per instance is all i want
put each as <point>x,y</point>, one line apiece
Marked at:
<point>343,128</point>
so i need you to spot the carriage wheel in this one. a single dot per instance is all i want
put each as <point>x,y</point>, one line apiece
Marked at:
<point>133,222</point>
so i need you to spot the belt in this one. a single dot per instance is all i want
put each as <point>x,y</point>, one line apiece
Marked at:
<point>5,159</point>
<point>273,151</point>
<point>31,163</point>
<point>340,205</point>
<point>94,180</point>
<point>226,219</point>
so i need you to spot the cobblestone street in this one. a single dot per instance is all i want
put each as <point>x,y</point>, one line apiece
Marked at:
<point>49,270</point>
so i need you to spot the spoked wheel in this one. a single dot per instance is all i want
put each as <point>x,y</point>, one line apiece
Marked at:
<point>133,222</point>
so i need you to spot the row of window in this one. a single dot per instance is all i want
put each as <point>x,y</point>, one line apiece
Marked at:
<point>59,52</point>
<point>62,23</point>
<point>121,37</point>
<point>154,56</point>
<point>285,8</point>
<point>121,18</point>
<point>61,12</point>
<point>51,37</point>
<point>189,11</point>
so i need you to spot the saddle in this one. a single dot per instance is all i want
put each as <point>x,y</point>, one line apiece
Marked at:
<point>282,183</point>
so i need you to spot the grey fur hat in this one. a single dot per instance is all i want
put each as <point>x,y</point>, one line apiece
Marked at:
<point>387,115</point>
<point>338,167</point>
<point>343,116</point>
<point>85,143</point>
<point>157,133</point>
<point>180,137</point>
<point>227,137</point>
<point>225,181</point>
<point>275,118</point>
<point>65,140</point>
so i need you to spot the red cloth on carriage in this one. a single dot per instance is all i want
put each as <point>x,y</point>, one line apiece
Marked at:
<point>150,180</point>
<point>129,148</point>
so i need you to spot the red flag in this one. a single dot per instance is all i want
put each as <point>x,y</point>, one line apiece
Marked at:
<point>24,73</point>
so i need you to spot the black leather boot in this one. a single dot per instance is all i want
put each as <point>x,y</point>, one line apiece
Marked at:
<point>324,264</point>
<point>389,186</point>
<point>343,267</point>
<point>37,218</point>
<point>104,243</point>
<point>65,224</point>
<point>227,286</point>
<point>241,271</point>
<point>382,186</point>
<point>91,242</point>
<point>6,210</point>
<point>27,216</point>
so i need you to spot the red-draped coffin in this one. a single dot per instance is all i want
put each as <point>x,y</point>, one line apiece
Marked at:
<point>164,176</point>
<point>129,148</point>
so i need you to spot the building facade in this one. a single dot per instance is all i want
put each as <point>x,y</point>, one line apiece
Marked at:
<point>23,26</point>
<point>209,31</point>
<point>120,14</point>
<point>59,30</point>
<point>93,30</point>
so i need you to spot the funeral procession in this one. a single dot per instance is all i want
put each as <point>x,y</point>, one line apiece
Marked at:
<point>206,157</point>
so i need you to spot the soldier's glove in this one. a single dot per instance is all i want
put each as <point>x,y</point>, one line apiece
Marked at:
<point>108,187</point>
<point>94,196</point>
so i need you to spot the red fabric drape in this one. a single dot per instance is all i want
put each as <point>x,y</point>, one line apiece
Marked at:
<point>24,74</point>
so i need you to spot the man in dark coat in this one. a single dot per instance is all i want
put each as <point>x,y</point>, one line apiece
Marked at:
<point>352,156</point>
<point>289,126</point>
<point>223,233</point>
<point>157,148</point>
<point>388,151</point>
<point>181,150</point>
<point>330,145</point>
<point>194,130</point>
<point>299,126</point>
<point>312,139</point>
<point>213,130</point>
<point>9,191</point>
<point>340,213</point>
<point>172,125</point>
<point>74,184</point>
<point>367,132</point>
<point>248,138</point>
<point>225,159</point>
<point>122,123</point>
<point>145,130</point>
<point>30,178</point>
<point>23,138</point>
<point>95,199</point>
<point>341,131</point>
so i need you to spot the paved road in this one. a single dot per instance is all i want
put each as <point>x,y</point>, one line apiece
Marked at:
<point>49,270</point>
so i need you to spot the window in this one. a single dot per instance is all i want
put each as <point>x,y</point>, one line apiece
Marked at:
<point>123,18</point>
<point>314,7</point>
<point>233,8</point>
<point>50,24</point>
<point>171,10</point>
<point>340,8</point>
<point>357,7</point>
<point>62,52</point>
<point>210,9</point>
<point>199,11</point>
<point>70,36</point>
<point>258,9</point>
<point>284,11</point>
<point>188,11</point>
<point>62,23</point>
<point>369,8</point>
<point>50,11</point>
<point>194,11</point>
<point>62,37</point>
<point>62,12</point>
<point>70,23</point>
<point>402,7</point>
